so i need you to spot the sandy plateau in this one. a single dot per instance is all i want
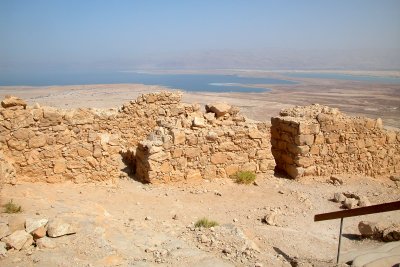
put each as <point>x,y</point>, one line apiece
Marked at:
<point>126,223</point>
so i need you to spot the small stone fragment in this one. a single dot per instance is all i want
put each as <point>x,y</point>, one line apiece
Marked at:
<point>204,239</point>
<point>270,219</point>
<point>336,180</point>
<point>350,203</point>
<point>339,197</point>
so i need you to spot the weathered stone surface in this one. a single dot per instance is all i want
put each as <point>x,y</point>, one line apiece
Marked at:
<point>37,141</point>
<point>178,136</point>
<point>333,143</point>
<point>60,166</point>
<point>58,227</point>
<point>4,230</point>
<point>33,224</point>
<point>39,232</point>
<point>18,240</point>
<point>339,197</point>
<point>219,109</point>
<point>363,202</point>
<point>270,219</point>
<point>3,249</point>
<point>13,101</point>
<point>16,222</point>
<point>219,158</point>
<point>46,242</point>
<point>367,229</point>
<point>199,122</point>
<point>350,203</point>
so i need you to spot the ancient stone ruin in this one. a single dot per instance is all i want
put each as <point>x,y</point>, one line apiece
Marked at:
<point>54,145</point>
<point>158,139</point>
<point>318,140</point>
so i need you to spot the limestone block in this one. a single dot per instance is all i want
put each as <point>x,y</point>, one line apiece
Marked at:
<point>304,161</point>
<point>179,137</point>
<point>219,158</point>
<point>18,240</point>
<point>192,152</point>
<point>219,109</point>
<point>255,134</point>
<point>231,169</point>
<point>304,139</point>
<point>17,145</point>
<point>199,122</point>
<point>13,101</point>
<point>294,171</point>
<point>60,166</point>
<point>193,175</point>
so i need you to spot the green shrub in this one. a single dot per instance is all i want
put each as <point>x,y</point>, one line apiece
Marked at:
<point>11,207</point>
<point>204,222</point>
<point>244,177</point>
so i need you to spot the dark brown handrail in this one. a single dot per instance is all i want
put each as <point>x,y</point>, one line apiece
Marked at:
<point>358,211</point>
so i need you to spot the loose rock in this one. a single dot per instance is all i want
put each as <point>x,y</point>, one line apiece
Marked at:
<point>33,224</point>
<point>59,227</point>
<point>18,240</point>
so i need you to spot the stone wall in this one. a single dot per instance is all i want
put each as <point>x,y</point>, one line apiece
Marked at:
<point>318,140</point>
<point>199,145</point>
<point>54,145</point>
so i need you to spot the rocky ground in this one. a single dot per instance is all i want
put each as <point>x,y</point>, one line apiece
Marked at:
<point>134,224</point>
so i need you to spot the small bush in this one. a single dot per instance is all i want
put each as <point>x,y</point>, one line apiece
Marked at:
<point>244,177</point>
<point>204,222</point>
<point>11,207</point>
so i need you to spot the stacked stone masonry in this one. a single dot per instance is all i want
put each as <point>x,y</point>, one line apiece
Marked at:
<point>197,145</point>
<point>54,145</point>
<point>318,140</point>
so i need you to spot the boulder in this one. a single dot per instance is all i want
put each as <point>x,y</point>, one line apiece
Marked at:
<point>12,101</point>
<point>59,227</point>
<point>219,109</point>
<point>33,224</point>
<point>18,240</point>
<point>45,242</point>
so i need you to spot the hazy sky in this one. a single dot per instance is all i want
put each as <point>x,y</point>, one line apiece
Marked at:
<point>65,35</point>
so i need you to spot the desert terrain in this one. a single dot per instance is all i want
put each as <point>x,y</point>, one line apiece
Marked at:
<point>352,97</point>
<point>127,223</point>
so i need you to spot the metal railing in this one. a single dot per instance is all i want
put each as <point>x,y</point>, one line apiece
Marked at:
<point>391,206</point>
